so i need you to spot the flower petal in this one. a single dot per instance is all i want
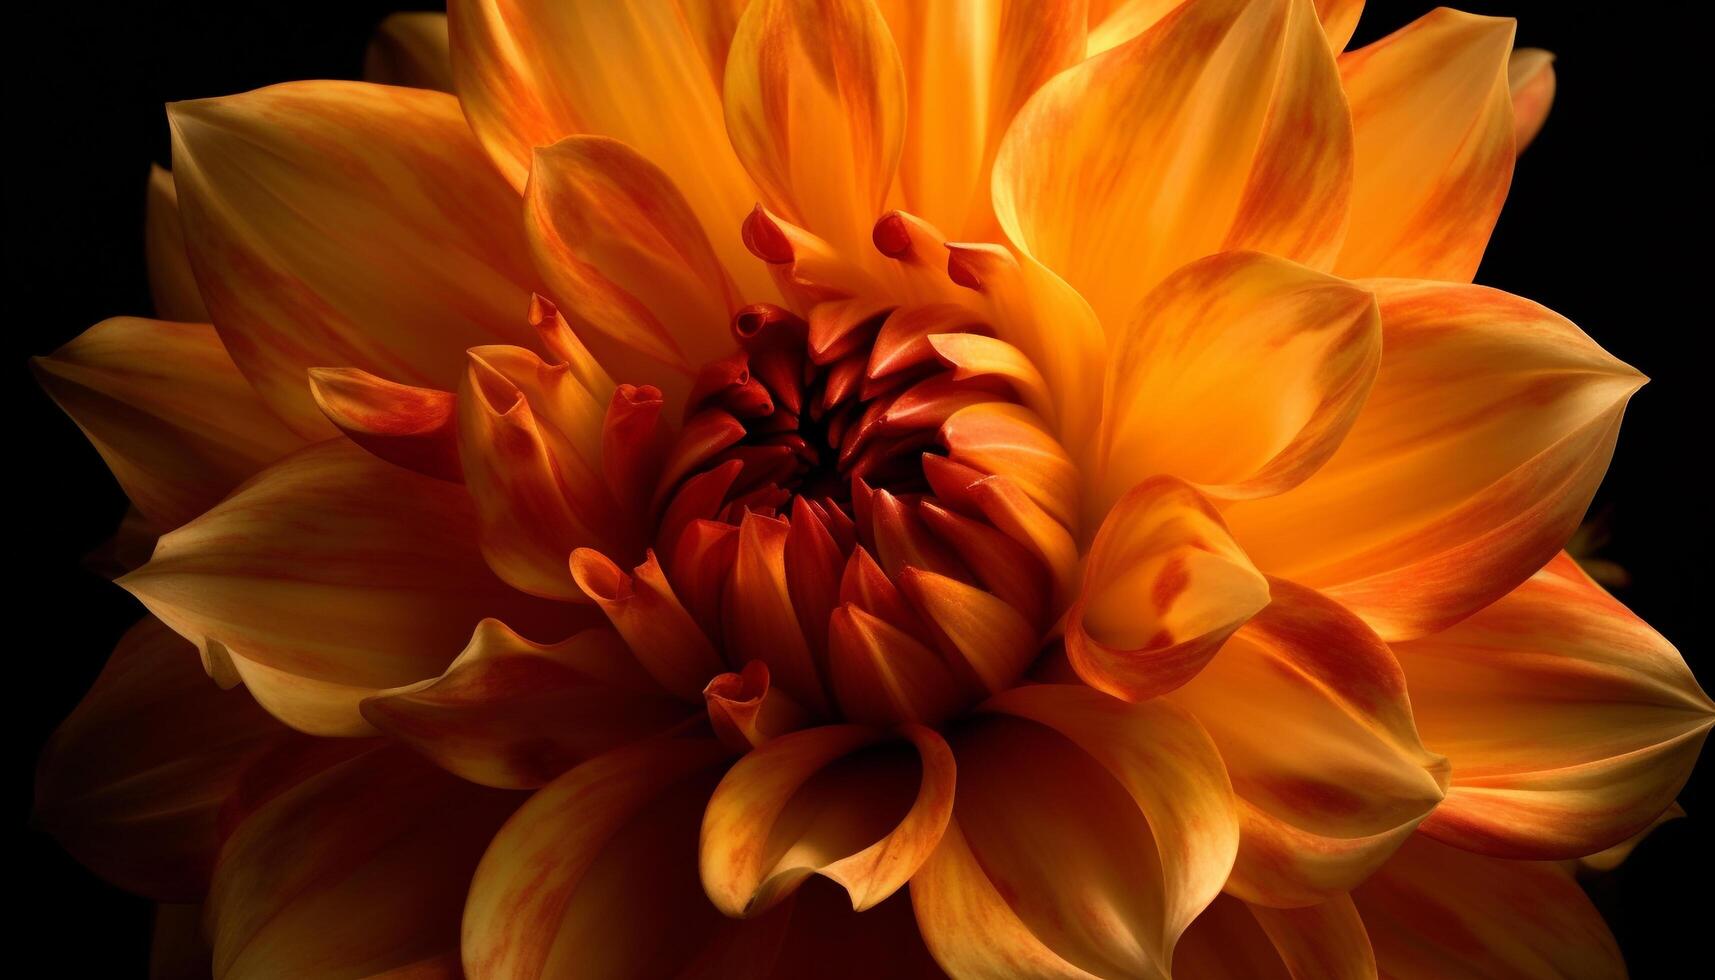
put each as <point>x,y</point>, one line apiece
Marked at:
<point>1221,127</point>
<point>1435,911</point>
<point>514,714</point>
<point>1484,437</point>
<point>410,49</point>
<point>1240,373</point>
<point>663,637</point>
<point>1530,79</point>
<point>346,224</point>
<point>1119,811</point>
<point>172,285</point>
<point>133,781</point>
<point>329,576</point>
<point>1164,586</point>
<point>358,870</point>
<point>1433,122</point>
<point>815,107</point>
<point>168,412</point>
<point>1309,710</point>
<point>846,802</point>
<point>1233,940</point>
<point>1569,722</point>
<point>416,428</point>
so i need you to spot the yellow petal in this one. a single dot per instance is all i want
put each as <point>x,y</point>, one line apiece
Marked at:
<point>1434,138</point>
<point>846,802</point>
<point>168,412</point>
<point>815,107</point>
<point>172,284</point>
<point>1240,373</point>
<point>410,49</point>
<point>350,225</point>
<point>1530,79</point>
<point>1221,127</point>
<point>1489,426</point>
<point>1114,22</point>
<point>1570,723</point>
<point>1164,586</point>
<point>1309,710</point>
<point>335,575</point>
<point>1234,940</point>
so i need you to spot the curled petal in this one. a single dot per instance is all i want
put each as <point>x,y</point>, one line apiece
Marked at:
<point>1530,79</point>
<point>330,576</point>
<point>168,412</point>
<point>514,714</point>
<point>172,285</point>
<point>1011,440</point>
<point>845,802</point>
<point>1240,373</point>
<point>410,49</point>
<point>1164,586</point>
<point>1323,808</point>
<point>1435,911</point>
<point>746,711</point>
<point>1489,426</point>
<point>1433,123</point>
<point>1233,940</point>
<point>661,634</point>
<point>1570,723</point>
<point>416,428</point>
<point>342,223</point>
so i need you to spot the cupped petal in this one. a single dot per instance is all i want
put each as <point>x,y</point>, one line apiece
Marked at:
<point>356,871</point>
<point>1488,428</point>
<point>1233,940</point>
<point>745,710</point>
<point>1570,724</point>
<point>1118,811</point>
<point>661,634</point>
<point>1530,79</point>
<point>133,781</point>
<point>172,284</point>
<point>1010,440</point>
<point>514,714</point>
<point>815,107</point>
<point>347,224</point>
<point>1435,911</point>
<point>1221,127</point>
<point>847,802</point>
<point>330,576</point>
<point>416,428</point>
<point>1164,586</point>
<point>1310,712</point>
<point>1240,373</point>
<point>410,48</point>
<point>1433,124</point>
<point>167,410</point>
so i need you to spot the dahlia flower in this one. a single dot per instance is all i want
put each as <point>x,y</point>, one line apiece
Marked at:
<point>832,487</point>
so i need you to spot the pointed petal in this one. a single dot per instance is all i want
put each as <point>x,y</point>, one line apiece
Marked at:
<point>1433,123</point>
<point>1242,94</point>
<point>981,631</point>
<point>1010,440</point>
<point>1164,586</point>
<point>133,781</point>
<point>663,637</point>
<point>758,618</point>
<point>514,714</point>
<point>168,412</point>
<point>410,49</point>
<point>1530,79</point>
<point>333,574</point>
<point>347,224</point>
<point>1489,426</point>
<point>416,428</point>
<point>172,285</point>
<point>1310,712</point>
<point>1570,723</point>
<point>882,675</point>
<point>1240,373</point>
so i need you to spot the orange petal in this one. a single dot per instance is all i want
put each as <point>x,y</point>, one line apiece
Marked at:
<point>329,576</point>
<point>532,72</point>
<point>981,631</point>
<point>758,618</point>
<point>133,781</point>
<point>168,412</point>
<point>661,634</point>
<point>1530,79</point>
<point>620,247</point>
<point>1610,858</point>
<point>1310,712</point>
<point>746,711</point>
<point>178,950</point>
<point>343,875</point>
<point>172,285</point>
<point>1233,940</point>
<point>845,802</point>
<point>1569,722</point>
<point>1434,912</point>
<point>1010,440</point>
<point>1339,20</point>
<point>583,880</point>
<point>1240,373</point>
<point>1489,426</point>
<point>410,49</point>
<point>342,223</point>
<point>1241,95</point>
<point>416,428</point>
<point>514,714</point>
<point>831,70</point>
<point>1119,811</point>
<point>1164,586</point>
<point>1433,128</point>
<point>882,675</point>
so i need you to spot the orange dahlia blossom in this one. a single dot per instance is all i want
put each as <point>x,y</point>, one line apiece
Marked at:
<point>831,487</point>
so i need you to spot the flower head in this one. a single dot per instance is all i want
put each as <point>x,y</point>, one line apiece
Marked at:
<point>1003,489</point>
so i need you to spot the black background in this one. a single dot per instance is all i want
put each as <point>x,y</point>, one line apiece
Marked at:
<point>1607,224</point>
